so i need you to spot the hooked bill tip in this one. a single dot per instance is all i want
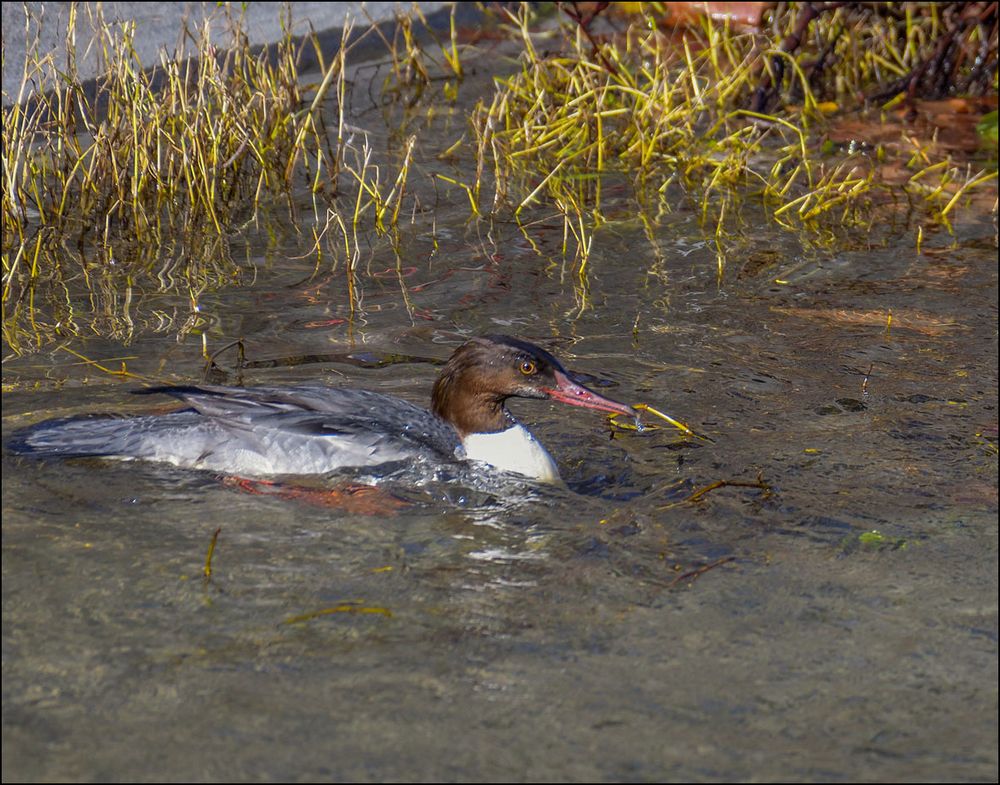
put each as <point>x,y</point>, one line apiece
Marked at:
<point>568,391</point>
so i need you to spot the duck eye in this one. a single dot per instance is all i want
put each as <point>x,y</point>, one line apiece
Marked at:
<point>528,367</point>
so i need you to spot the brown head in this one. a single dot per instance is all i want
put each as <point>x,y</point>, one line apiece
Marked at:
<point>484,372</point>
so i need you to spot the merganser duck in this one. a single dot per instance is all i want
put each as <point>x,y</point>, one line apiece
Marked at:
<point>315,429</point>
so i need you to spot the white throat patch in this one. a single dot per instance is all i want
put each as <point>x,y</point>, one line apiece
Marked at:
<point>512,450</point>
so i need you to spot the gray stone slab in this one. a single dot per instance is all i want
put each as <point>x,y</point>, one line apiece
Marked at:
<point>160,27</point>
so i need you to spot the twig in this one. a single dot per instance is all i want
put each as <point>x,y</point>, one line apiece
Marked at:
<point>240,357</point>
<point>697,573</point>
<point>763,93</point>
<point>973,14</point>
<point>721,484</point>
<point>584,20</point>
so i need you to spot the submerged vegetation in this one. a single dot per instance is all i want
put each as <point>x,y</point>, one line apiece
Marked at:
<point>147,180</point>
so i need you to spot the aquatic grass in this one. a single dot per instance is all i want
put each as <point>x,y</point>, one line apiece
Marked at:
<point>206,570</point>
<point>694,115</point>
<point>451,52</point>
<point>137,175</point>
<point>142,183</point>
<point>139,183</point>
<point>383,200</point>
<point>412,68</point>
<point>350,607</point>
<point>409,72</point>
<point>885,50</point>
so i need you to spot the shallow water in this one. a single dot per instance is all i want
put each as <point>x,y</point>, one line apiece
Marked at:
<point>845,627</point>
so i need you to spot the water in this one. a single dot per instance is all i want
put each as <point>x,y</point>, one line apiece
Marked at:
<point>838,624</point>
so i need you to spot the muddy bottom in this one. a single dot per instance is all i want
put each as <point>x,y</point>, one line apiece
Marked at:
<point>838,623</point>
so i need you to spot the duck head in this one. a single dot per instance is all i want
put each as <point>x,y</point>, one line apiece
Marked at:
<point>484,372</point>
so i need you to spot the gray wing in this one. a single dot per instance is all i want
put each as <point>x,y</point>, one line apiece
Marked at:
<point>358,420</point>
<point>256,431</point>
